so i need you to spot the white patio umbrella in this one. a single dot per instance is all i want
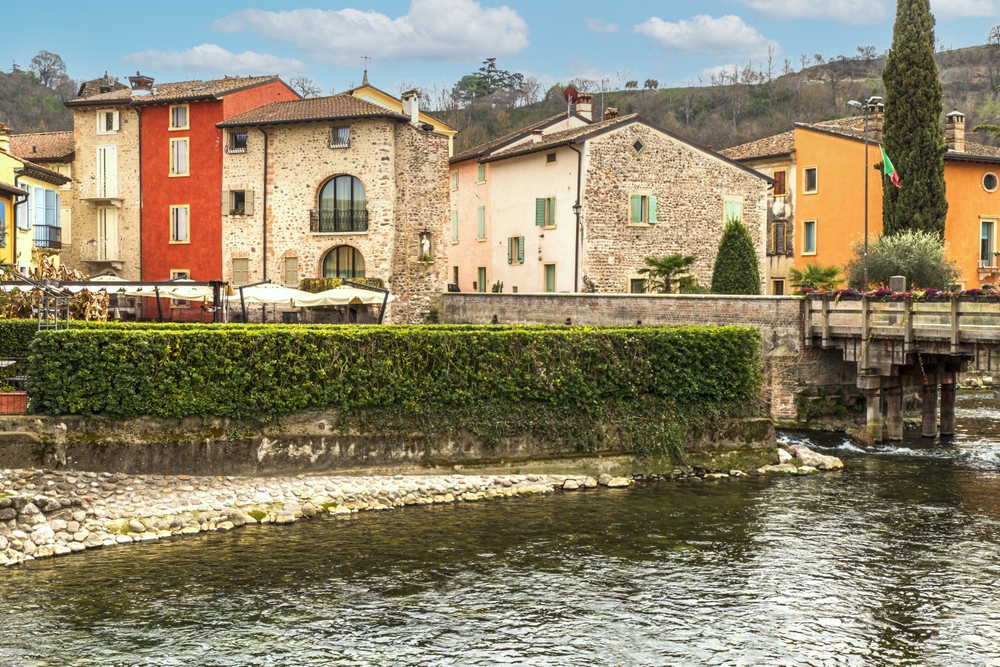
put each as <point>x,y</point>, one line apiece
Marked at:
<point>270,294</point>
<point>344,296</point>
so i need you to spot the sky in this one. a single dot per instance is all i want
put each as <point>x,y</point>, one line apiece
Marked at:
<point>435,42</point>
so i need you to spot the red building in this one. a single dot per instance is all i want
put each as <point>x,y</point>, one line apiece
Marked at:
<point>181,153</point>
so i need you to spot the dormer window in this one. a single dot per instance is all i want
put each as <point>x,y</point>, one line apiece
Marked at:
<point>340,136</point>
<point>107,121</point>
<point>236,141</point>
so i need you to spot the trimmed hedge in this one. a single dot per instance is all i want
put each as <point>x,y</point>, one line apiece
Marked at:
<point>177,370</point>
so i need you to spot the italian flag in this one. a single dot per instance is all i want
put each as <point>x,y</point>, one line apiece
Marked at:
<point>889,170</point>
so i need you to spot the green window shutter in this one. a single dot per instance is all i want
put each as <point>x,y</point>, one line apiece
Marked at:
<point>481,213</point>
<point>734,209</point>
<point>520,250</point>
<point>652,209</point>
<point>481,176</point>
<point>635,209</point>
<point>454,225</point>
<point>550,278</point>
<point>540,212</point>
<point>552,211</point>
<point>482,278</point>
<point>510,250</point>
<point>454,180</point>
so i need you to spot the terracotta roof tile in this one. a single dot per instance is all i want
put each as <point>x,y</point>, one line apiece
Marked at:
<point>43,147</point>
<point>315,108</point>
<point>176,92</point>
<point>779,144</point>
<point>499,141</point>
<point>977,150</point>
<point>559,138</point>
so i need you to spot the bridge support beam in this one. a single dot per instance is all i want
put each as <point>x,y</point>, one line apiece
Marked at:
<point>948,400</point>
<point>929,404</point>
<point>893,407</point>
<point>872,386</point>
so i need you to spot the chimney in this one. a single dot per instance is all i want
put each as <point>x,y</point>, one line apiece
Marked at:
<point>5,133</point>
<point>954,131</point>
<point>611,113</point>
<point>140,82</point>
<point>876,121</point>
<point>536,137</point>
<point>411,105</point>
<point>584,107</point>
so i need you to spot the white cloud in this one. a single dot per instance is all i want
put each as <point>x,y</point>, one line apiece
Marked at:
<point>600,26</point>
<point>726,35</point>
<point>945,10</point>
<point>214,58</point>
<point>454,30</point>
<point>864,12</point>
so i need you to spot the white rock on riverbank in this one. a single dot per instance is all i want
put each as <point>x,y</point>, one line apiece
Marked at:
<point>800,460</point>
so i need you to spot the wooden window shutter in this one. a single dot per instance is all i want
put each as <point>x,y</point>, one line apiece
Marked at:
<point>481,222</point>
<point>652,209</point>
<point>248,202</point>
<point>510,249</point>
<point>226,203</point>
<point>520,250</point>
<point>635,208</point>
<point>551,220</point>
<point>539,212</point>
<point>778,242</point>
<point>454,225</point>
<point>291,271</point>
<point>39,206</point>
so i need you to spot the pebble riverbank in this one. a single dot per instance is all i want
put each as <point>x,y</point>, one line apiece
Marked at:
<point>46,513</point>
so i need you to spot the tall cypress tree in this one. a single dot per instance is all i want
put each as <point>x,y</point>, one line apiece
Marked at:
<point>913,137</point>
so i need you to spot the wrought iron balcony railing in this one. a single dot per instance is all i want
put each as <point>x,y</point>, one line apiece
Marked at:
<point>47,236</point>
<point>338,220</point>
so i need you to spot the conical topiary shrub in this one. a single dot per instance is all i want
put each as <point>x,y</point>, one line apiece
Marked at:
<point>736,270</point>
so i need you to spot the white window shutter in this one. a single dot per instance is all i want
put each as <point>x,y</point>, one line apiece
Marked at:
<point>248,201</point>
<point>225,203</point>
<point>116,120</point>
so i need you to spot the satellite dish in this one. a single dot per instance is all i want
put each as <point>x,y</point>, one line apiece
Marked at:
<point>570,95</point>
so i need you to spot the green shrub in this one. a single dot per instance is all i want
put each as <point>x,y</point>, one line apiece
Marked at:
<point>16,337</point>
<point>918,255</point>
<point>736,269</point>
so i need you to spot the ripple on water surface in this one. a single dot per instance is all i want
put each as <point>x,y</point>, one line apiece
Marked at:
<point>895,561</point>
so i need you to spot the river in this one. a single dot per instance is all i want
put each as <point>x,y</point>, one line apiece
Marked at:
<point>894,561</point>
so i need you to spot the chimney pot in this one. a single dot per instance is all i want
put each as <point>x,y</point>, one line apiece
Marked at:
<point>536,137</point>
<point>954,131</point>
<point>411,105</point>
<point>5,133</point>
<point>611,113</point>
<point>584,105</point>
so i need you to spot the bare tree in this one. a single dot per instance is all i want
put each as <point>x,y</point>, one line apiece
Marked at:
<point>818,58</point>
<point>48,68</point>
<point>771,53</point>
<point>786,69</point>
<point>867,53</point>
<point>804,59</point>
<point>305,86</point>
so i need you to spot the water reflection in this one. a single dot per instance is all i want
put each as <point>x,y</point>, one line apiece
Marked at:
<point>892,562</point>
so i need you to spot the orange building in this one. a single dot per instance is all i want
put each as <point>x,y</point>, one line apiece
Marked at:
<point>822,212</point>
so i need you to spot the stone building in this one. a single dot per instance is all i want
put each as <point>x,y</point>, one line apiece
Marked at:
<point>582,207</point>
<point>340,187</point>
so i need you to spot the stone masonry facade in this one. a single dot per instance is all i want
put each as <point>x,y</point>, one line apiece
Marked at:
<point>404,171</point>
<point>690,185</point>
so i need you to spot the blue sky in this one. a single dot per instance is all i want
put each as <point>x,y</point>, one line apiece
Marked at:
<point>429,42</point>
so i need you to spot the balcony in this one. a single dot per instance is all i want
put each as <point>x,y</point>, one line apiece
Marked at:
<point>338,221</point>
<point>101,255</point>
<point>48,237</point>
<point>100,189</point>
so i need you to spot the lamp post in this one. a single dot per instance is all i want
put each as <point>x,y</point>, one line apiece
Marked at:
<point>577,209</point>
<point>872,103</point>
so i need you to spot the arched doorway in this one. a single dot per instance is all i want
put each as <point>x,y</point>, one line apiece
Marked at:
<point>343,205</point>
<point>345,262</point>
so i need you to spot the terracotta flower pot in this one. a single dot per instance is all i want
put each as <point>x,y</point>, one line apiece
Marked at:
<point>14,403</point>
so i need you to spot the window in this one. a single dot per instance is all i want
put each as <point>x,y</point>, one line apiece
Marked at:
<point>107,233</point>
<point>550,158</point>
<point>454,226</point>
<point>545,212</point>
<point>780,183</point>
<point>180,274</point>
<point>180,224</point>
<point>344,262</point>
<point>454,271</point>
<point>990,182</point>
<point>809,174</point>
<point>637,285</point>
<point>22,214</point>
<point>732,209</point>
<point>481,174</point>
<point>241,271</point>
<point>236,141</point>
<point>515,250</point>
<point>481,223</point>
<point>809,237</point>
<point>550,277</point>
<point>107,172</point>
<point>107,121</point>
<point>778,239</point>
<point>340,136</point>
<point>179,117</point>
<point>237,202</point>
<point>179,157</point>
<point>454,180</point>
<point>66,223</point>
<point>342,206</point>
<point>642,209</point>
<point>291,272</point>
<point>987,237</point>
<point>481,273</point>
<point>39,198</point>
<point>67,171</point>
<point>779,288</point>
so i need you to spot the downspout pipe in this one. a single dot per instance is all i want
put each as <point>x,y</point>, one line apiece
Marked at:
<point>578,207</point>
<point>264,204</point>
<point>13,214</point>
<point>138,114</point>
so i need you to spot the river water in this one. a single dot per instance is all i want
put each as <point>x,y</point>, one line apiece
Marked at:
<point>894,561</point>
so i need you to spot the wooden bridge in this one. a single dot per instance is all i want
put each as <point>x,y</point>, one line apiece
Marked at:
<point>900,345</point>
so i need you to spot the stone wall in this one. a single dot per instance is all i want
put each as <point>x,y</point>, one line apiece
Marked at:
<point>690,185</point>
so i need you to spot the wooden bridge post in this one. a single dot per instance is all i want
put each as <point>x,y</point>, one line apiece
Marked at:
<point>893,407</point>
<point>929,406</point>
<point>948,399</point>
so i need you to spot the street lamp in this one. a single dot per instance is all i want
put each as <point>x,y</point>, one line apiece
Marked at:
<point>873,103</point>
<point>577,209</point>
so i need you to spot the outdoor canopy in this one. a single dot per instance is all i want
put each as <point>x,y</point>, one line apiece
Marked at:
<point>346,296</point>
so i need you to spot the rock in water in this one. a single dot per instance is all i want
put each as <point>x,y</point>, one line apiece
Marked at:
<point>618,482</point>
<point>570,485</point>
<point>810,458</point>
<point>784,456</point>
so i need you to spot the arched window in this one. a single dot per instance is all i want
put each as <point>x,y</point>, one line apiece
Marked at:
<point>344,262</point>
<point>342,206</point>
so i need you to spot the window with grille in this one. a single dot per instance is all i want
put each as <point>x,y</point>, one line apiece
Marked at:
<point>340,136</point>
<point>236,141</point>
<point>107,121</point>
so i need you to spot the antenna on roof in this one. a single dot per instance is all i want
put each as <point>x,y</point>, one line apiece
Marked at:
<point>364,81</point>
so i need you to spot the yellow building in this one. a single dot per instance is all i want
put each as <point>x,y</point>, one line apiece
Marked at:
<point>31,209</point>
<point>408,106</point>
